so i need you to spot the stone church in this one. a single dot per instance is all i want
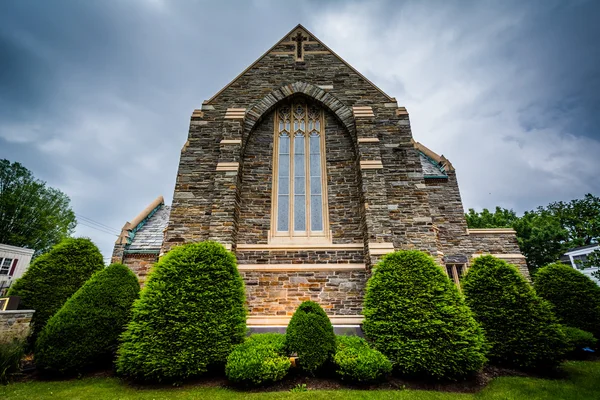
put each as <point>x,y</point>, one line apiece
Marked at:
<point>309,173</point>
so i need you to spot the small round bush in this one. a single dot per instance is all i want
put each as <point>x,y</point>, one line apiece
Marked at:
<point>310,335</point>
<point>574,296</point>
<point>53,277</point>
<point>85,331</point>
<point>519,325</point>
<point>579,339</point>
<point>417,318</point>
<point>189,316</point>
<point>260,359</point>
<point>356,362</point>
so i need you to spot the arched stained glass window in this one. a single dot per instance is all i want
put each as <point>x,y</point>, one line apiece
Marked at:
<point>299,191</point>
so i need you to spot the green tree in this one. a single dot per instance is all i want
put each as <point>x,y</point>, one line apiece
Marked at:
<point>541,237</point>
<point>580,218</point>
<point>501,218</point>
<point>32,214</point>
<point>592,260</point>
<point>546,233</point>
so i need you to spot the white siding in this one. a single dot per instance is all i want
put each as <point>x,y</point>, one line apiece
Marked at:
<point>24,258</point>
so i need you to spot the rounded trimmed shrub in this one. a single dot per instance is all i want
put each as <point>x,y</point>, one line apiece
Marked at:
<point>260,359</point>
<point>579,339</point>
<point>417,318</point>
<point>85,331</point>
<point>189,316</point>
<point>355,361</point>
<point>574,296</point>
<point>519,325</point>
<point>310,335</point>
<point>53,277</point>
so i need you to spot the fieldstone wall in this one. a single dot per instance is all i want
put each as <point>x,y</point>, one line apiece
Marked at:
<point>448,217</point>
<point>15,324</point>
<point>140,264</point>
<point>280,293</point>
<point>501,244</point>
<point>378,196</point>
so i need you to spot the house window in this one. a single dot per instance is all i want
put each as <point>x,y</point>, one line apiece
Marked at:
<point>299,188</point>
<point>579,260</point>
<point>5,265</point>
<point>455,272</point>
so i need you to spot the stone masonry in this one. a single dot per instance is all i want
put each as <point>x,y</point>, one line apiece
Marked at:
<point>15,324</point>
<point>384,191</point>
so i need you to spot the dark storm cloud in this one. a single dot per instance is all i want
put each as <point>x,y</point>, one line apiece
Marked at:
<point>96,95</point>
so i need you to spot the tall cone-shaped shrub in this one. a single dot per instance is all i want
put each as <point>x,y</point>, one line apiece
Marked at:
<point>53,277</point>
<point>189,316</point>
<point>574,296</point>
<point>417,318</point>
<point>519,325</point>
<point>85,332</point>
<point>310,335</point>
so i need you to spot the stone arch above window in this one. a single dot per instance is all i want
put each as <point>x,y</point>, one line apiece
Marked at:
<point>327,100</point>
<point>299,201</point>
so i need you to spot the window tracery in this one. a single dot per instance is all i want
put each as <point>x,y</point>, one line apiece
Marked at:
<point>299,194</point>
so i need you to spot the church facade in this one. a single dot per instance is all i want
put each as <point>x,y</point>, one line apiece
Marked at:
<point>309,173</point>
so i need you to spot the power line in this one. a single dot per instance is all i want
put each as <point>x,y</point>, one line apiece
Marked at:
<point>98,229</point>
<point>89,220</point>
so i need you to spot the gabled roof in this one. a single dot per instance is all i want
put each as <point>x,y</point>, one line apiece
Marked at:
<point>287,35</point>
<point>150,235</point>
<point>145,232</point>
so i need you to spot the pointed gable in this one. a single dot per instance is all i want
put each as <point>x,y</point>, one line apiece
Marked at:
<point>299,56</point>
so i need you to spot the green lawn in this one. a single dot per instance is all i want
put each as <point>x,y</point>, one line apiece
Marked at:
<point>583,382</point>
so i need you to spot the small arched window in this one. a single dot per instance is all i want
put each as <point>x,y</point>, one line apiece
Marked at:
<point>299,182</point>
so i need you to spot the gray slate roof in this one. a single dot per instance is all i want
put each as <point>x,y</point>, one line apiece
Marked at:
<point>429,168</point>
<point>150,236</point>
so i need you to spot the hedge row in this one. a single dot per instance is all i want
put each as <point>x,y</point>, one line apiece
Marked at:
<point>191,318</point>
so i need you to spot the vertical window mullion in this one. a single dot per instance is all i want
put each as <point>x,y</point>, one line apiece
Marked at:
<point>307,173</point>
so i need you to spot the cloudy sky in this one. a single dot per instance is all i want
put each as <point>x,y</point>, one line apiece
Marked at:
<point>96,95</point>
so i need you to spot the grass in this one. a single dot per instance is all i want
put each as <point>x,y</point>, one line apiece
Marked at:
<point>582,382</point>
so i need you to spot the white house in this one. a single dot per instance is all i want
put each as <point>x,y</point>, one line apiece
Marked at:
<point>14,261</point>
<point>579,254</point>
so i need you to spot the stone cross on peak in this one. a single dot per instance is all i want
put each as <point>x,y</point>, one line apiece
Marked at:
<point>299,38</point>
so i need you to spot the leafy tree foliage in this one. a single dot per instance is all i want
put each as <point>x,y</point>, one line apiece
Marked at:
<point>574,296</point>
<point>417,318</point>
<point>53,277</point>
<point>310,335</point>
<point>592,260</point>
<point>541,238</point>
<point>32,215</point>
<point>189,316</point>
<point>544,234</point>
<point>85,331</point>
<point>501,218</point>
<point>519,325</point>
